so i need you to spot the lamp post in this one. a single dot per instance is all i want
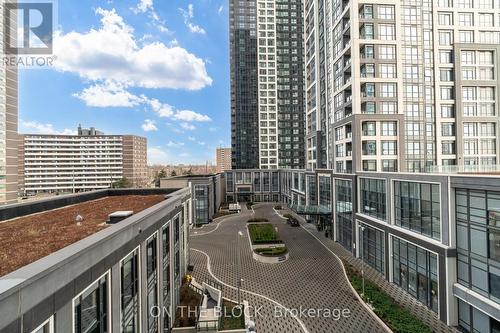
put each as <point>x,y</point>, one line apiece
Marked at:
<point>362,260</point>
<point>240,235</point>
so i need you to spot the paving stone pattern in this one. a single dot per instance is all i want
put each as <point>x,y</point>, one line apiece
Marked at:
<point>311,278</point>
<point>398,294</point>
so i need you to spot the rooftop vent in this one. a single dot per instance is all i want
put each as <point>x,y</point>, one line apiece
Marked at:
<point>118,216</point>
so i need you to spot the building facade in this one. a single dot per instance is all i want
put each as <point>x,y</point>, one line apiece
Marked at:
<point>73,163</point>
<point>135,160</point>
<point>223,159</point>
<point>110,281</point>
<point>208,193</point>
<point>401,85</point>
<point>433,235</point>
<point>9,118</point>
<point>267,80</point>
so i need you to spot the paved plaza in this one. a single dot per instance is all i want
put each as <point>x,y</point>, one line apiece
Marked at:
<point>312,278</point>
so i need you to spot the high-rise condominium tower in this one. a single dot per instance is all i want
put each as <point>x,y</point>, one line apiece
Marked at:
<point>267,88</point>
<point>402,85</point>
<point>8,115</point>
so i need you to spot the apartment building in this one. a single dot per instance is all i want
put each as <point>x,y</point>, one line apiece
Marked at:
<point>108,282</point>
<point>223,159</point>
<point>135,160</point>
<point>267,80</point>
<point>401,85</point>
<point>8,117</point>
<point>433,235</point>
<point>87,161</point>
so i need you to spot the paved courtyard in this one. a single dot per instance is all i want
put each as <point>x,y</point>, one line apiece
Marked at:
<point>312,278</point>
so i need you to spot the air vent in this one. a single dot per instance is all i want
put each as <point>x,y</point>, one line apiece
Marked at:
<point>118,216</point>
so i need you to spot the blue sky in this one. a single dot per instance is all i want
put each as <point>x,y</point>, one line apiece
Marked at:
<point>155,68</point>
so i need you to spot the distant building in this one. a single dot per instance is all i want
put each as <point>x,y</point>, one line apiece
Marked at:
<point>8,121</point>
<point>74,163</point>
<point>267,84</point>
<point>223,159</point>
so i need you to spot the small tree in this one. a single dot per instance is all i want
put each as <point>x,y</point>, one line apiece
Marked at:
<point>173,173</point>
<point>160,175</point>
<point>122,183</point>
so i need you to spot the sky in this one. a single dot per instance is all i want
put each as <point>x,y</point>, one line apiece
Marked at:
<point>154,68</point>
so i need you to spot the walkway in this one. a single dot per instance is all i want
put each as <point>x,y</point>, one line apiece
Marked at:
<point>401,296</point>
<point>311,279</point>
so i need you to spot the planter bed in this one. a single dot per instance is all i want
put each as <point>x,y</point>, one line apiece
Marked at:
<point>272,251</point>
<point>396,317</point>
<point>263,233</point>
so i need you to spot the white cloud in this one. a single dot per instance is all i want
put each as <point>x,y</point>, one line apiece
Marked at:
<point>191,138</point>
<point>147,6</point>
<point>149,126</point>
<point>163,110</point>
<point>201,143</point>
<point>173,144</point>
<point>221,8</point>
<point>108,94</point>
<point>188,115</point>
<point>188,15</point>
<point>40,128</point>
<point>143,6</point>
<point>112,53</point>
<point>212,129</point>
<point>188,127</point>
<point>156,155</point>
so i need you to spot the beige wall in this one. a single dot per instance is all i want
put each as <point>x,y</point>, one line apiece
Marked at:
<point>223,159</point>
<point>135,160</point>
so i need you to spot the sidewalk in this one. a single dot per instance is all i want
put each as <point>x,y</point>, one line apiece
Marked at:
<point>398,294</point>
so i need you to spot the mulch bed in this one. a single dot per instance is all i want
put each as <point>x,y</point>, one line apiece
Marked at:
<point>27,239</point>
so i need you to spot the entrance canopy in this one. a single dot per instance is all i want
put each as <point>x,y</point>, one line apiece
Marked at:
<point>311,210</point>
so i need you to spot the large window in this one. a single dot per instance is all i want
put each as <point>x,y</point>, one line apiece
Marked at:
<point>201,204</point>
<point>478,241</point>
<point>373,247</point>
<point>152,280</point>
<point>312,190</point>
<point>46,327</point>
<point>415,270</point>
<point>373,197</point>
<point>325,191</point>
<point>129,293</point>
<point>417,207</point>
<point>91,308</point>
<point>343,190</point>
<point>166,274</point>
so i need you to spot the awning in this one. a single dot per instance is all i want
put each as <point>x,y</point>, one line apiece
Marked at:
<point>310,210</point>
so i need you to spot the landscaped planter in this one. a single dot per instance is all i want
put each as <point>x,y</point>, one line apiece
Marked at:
<point>269,259</point>
<point>264,236</point>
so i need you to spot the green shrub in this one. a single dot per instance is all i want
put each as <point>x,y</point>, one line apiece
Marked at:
<point>397,318</point>
<point>272,252</point>
<point>289,216</point>
<point>278,207</point>
<point>257,219</point>
<point>263,233</point>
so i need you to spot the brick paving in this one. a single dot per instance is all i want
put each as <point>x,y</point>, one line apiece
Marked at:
<point>398,294</point>
<point>311,278</point>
